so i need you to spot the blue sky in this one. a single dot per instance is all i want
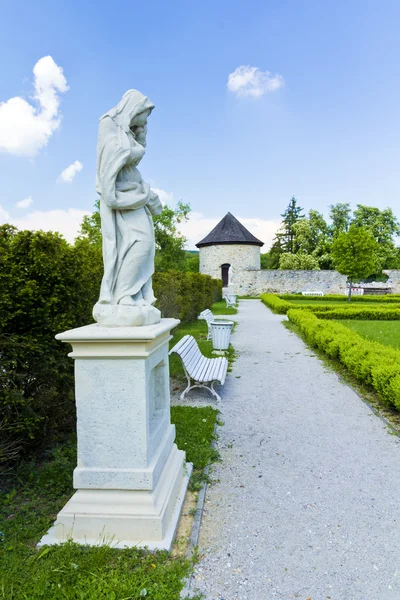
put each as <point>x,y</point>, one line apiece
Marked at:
<point>324,126</point>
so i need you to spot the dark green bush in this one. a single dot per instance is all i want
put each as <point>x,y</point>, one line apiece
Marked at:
<point>184,295</point>
<point>48,286</point>
<point>370,362</point>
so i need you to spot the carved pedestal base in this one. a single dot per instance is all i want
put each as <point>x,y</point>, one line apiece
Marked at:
<point>131,478</point>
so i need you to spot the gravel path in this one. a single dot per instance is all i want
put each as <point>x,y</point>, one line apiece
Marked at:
<point>307,503</point>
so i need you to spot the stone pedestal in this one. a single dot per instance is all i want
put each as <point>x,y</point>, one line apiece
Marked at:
<point>130,479</point>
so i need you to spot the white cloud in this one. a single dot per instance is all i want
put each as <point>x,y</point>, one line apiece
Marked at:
<point>25,203</point>
<point>199,226</point>
<point>250,81</point>
<point>67,222</point>
<point>70,172</point>
<point>165,197</point>
<point>25,128</point>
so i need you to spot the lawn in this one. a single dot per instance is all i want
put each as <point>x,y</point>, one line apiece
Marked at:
<point>384,332</point>
<point>73,572</point>
<point>220,308</point>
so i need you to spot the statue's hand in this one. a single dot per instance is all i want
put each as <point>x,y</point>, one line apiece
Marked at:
<point>154,205</point>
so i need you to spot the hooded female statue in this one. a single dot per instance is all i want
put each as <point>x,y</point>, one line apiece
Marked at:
<point>126,207</point>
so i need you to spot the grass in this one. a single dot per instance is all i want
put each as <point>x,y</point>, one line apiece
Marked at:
<point>73,572</point>
<point>220,308</point>
<point>384,332</point>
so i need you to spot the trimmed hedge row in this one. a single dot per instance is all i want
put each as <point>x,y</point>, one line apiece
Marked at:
<point>184,295</point>
<point>373,364</point>
<point>363,313</point>
<point>276,304</point>
<point>342,298</point>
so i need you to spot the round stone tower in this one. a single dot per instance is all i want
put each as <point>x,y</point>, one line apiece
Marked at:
<point>228,250</point>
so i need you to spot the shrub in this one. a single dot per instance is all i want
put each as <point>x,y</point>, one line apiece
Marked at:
<point>363,313</point>
<point>48,286</point>
<point>389,298</point>
<point>276,304</point>
<point>370,362</point>
<point>184,295</point>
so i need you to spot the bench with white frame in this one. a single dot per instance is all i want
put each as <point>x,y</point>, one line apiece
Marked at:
<point>207,316</point>
<point>312,293</point>
<point>203,371</point>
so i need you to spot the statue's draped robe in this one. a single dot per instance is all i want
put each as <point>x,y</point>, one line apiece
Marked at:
<point>126,222</point>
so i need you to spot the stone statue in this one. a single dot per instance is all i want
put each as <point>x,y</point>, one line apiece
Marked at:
<point>126,207</point>
<point>230,275</point>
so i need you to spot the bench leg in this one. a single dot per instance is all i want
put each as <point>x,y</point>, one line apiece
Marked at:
<point>210,388</point>
<point>214,393</point>
<point>185,391</point>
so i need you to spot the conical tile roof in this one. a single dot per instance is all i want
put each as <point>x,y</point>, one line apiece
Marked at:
<point>229,231</point>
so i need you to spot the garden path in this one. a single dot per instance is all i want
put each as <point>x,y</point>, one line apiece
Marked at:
<point>307,499</point>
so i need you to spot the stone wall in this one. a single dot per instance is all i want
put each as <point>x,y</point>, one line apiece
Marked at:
<point>253,282</point>
<point>249,280</point>
<point>241,256</point>
<point>394,280</point>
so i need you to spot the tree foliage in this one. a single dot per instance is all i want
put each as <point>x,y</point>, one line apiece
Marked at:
<point>170,243</point>
<point>298,261</point>
<point>384,226</point>
<point>340,217</point>
<point>311,235</point>
<point>355,253</point>
<point>285,238</point>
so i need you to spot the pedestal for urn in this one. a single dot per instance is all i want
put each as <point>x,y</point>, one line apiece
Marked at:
<point>130,479</point>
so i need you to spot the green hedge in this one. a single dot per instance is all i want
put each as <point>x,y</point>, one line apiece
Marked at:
<point>342,298</point>
<point>184,295</point>
<point>372,363</point>
<point>276,304</point>
<point>364,313</point>
<point>348,311</point>
<point>48,286</point>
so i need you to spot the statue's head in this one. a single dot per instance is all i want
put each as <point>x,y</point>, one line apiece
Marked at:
<point>131,113</point>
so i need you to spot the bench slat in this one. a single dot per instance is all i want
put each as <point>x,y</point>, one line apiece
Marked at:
<point>211,371</point>
<point>194,364</point>
<point>200,368</point>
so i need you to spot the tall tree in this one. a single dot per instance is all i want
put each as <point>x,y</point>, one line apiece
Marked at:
<point>311,239</point>
<point>384,226</point>
<point>287,232</point>
<point>340,217</point>
<point>284,238</point>
<point>355,253</point>
<point>170,253</point>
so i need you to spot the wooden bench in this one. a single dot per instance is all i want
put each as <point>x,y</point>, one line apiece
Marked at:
<point>203,371</point>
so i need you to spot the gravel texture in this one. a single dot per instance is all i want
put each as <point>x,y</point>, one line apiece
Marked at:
<point>306,502</point>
